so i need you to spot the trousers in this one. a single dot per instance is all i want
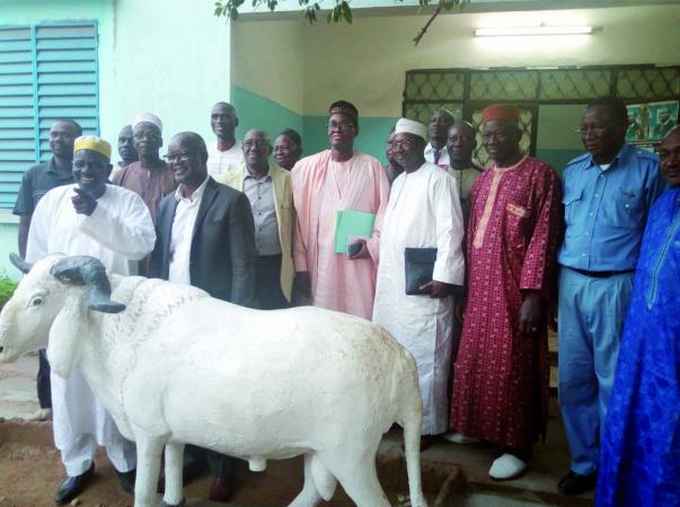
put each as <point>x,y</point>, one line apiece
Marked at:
<point>43,380</point>
<point>590,319</point>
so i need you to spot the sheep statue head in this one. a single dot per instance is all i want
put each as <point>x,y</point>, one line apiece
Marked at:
<point>50,303</point>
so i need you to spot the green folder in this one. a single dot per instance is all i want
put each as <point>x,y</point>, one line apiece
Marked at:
<point>350,222</point>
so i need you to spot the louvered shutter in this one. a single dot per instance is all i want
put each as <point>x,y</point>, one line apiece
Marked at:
<point>47,71</point>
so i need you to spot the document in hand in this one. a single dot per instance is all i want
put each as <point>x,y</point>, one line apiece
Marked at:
<point>352,223</point>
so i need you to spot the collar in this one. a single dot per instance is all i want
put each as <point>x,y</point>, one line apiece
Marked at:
<point>248,175</point>
<point>52,168</point>
<point>430,149</point>
<point>620,157</point>
<point>196,196</point>
<point>235,146</point>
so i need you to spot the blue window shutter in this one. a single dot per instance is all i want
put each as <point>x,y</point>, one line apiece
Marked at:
<point>47,71</point>
<point>17,135</point>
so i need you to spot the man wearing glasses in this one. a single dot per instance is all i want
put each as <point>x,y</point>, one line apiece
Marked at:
<point>205,238</point>
<point>337,179</point>
<point>268,188</point>
<point>607,195</point>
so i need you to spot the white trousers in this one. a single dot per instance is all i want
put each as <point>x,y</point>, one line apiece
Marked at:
<point>80,423</point>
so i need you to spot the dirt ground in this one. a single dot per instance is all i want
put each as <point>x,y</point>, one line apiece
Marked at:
<point>30,472</point>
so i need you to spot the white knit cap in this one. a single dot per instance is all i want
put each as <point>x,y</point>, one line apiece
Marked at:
<point>148,118</point>
<point>407,126</point>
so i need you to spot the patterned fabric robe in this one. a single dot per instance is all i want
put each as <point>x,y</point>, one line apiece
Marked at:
<point>500,392</point>
<point>640,451</point>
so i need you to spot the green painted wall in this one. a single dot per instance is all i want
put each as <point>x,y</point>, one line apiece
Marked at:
<point>255,111</point>
<point>373,132</point>
<point>260,112</point>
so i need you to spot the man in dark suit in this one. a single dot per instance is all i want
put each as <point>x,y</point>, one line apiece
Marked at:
<point>205,238</point>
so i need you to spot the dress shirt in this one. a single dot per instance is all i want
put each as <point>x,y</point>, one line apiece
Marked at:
<point>260,192</point>
<point>606,210</point>
<point>222,165</point>
<point>442,161</point>
<point>182,234</point>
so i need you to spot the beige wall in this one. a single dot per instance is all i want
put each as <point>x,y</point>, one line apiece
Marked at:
<point>365,62</point>
<point>268,59</point>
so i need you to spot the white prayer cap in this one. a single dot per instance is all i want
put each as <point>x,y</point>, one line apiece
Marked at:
<point>149,118</point>
<point>411,127</point>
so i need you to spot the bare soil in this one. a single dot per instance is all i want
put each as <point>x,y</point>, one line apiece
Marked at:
<point>31,470</point>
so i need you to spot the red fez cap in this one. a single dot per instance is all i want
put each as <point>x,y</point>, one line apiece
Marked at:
<point>500,112</point>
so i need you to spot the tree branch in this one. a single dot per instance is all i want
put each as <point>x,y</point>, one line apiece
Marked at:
<point>420,35</point>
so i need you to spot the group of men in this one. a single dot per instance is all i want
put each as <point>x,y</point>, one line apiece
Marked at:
<point>265,233</point>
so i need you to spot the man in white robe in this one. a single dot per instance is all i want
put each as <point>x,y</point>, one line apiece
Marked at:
<point>114,225</point>
<point>423,212</point>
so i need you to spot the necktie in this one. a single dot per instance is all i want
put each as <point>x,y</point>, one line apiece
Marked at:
<point>437,154</point>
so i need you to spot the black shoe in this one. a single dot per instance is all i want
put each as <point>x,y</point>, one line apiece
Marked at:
<point>576,484</point>
<point>127,481</point>
<point>71,487</point>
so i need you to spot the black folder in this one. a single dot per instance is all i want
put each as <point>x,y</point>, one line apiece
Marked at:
<point>419,266</point>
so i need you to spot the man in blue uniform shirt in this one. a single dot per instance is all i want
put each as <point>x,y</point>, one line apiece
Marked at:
<point>607,195</point>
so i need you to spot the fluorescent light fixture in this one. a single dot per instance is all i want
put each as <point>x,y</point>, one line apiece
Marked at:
<point>534,30</point>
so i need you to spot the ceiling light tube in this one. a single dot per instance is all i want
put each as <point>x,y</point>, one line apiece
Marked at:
<point>534,30</point>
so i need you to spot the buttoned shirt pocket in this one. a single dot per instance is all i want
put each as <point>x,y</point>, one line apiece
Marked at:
<point>625,210</point>
<point>572,200</point>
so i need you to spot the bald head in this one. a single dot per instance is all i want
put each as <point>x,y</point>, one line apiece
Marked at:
<point>460,144</point>
<point>440,122</point>
<point>224,120</point>
<point>256,150</point>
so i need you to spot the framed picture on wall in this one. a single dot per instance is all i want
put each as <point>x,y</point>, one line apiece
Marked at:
<point>649,123</point>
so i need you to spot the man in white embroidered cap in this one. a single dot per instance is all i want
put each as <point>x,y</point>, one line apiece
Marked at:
<point>421,267</point>
<point>149,177</point>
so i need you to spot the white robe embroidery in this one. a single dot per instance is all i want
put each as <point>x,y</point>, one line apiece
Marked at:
<point>423,212</point>
<point>118,231</point>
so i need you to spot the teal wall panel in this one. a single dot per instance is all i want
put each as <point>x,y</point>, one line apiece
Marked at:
<point>373,132</point>
<point>255,111</point>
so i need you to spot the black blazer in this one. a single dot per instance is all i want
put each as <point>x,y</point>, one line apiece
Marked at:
<point>223,252</point>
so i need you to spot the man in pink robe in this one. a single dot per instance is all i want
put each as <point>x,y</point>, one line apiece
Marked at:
<point>323,184</point>
<point>515,226</point>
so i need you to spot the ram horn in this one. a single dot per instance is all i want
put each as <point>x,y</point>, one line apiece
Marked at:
<point>90,272</point>
<point>19,263</point>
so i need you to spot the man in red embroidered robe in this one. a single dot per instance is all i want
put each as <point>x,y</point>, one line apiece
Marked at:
<point>514,229</point>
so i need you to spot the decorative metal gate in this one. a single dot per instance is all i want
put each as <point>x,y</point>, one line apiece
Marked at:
<point>465,92</point>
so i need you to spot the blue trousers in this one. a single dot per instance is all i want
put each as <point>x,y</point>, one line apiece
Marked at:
<point>591,315</point>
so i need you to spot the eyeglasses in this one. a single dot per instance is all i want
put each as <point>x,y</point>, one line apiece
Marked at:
<point>258,143</point>
<point>177,157</point>
<point>598,131</point>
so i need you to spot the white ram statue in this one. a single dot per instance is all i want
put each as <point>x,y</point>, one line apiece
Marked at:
<point>175,366</point>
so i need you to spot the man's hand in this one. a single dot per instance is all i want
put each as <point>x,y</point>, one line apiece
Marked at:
<point>359,248</point>
<point>531,314</point>
<point>302,288</point>
<point>83,202</point>
<point>436,290</point>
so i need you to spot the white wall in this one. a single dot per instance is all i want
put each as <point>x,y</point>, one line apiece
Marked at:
<point>170,57</point>
<point>268,59</point>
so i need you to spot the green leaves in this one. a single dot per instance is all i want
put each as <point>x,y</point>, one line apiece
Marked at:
<point>339,13</point>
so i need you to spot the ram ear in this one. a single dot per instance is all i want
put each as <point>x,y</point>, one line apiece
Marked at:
<point>63,351</point>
